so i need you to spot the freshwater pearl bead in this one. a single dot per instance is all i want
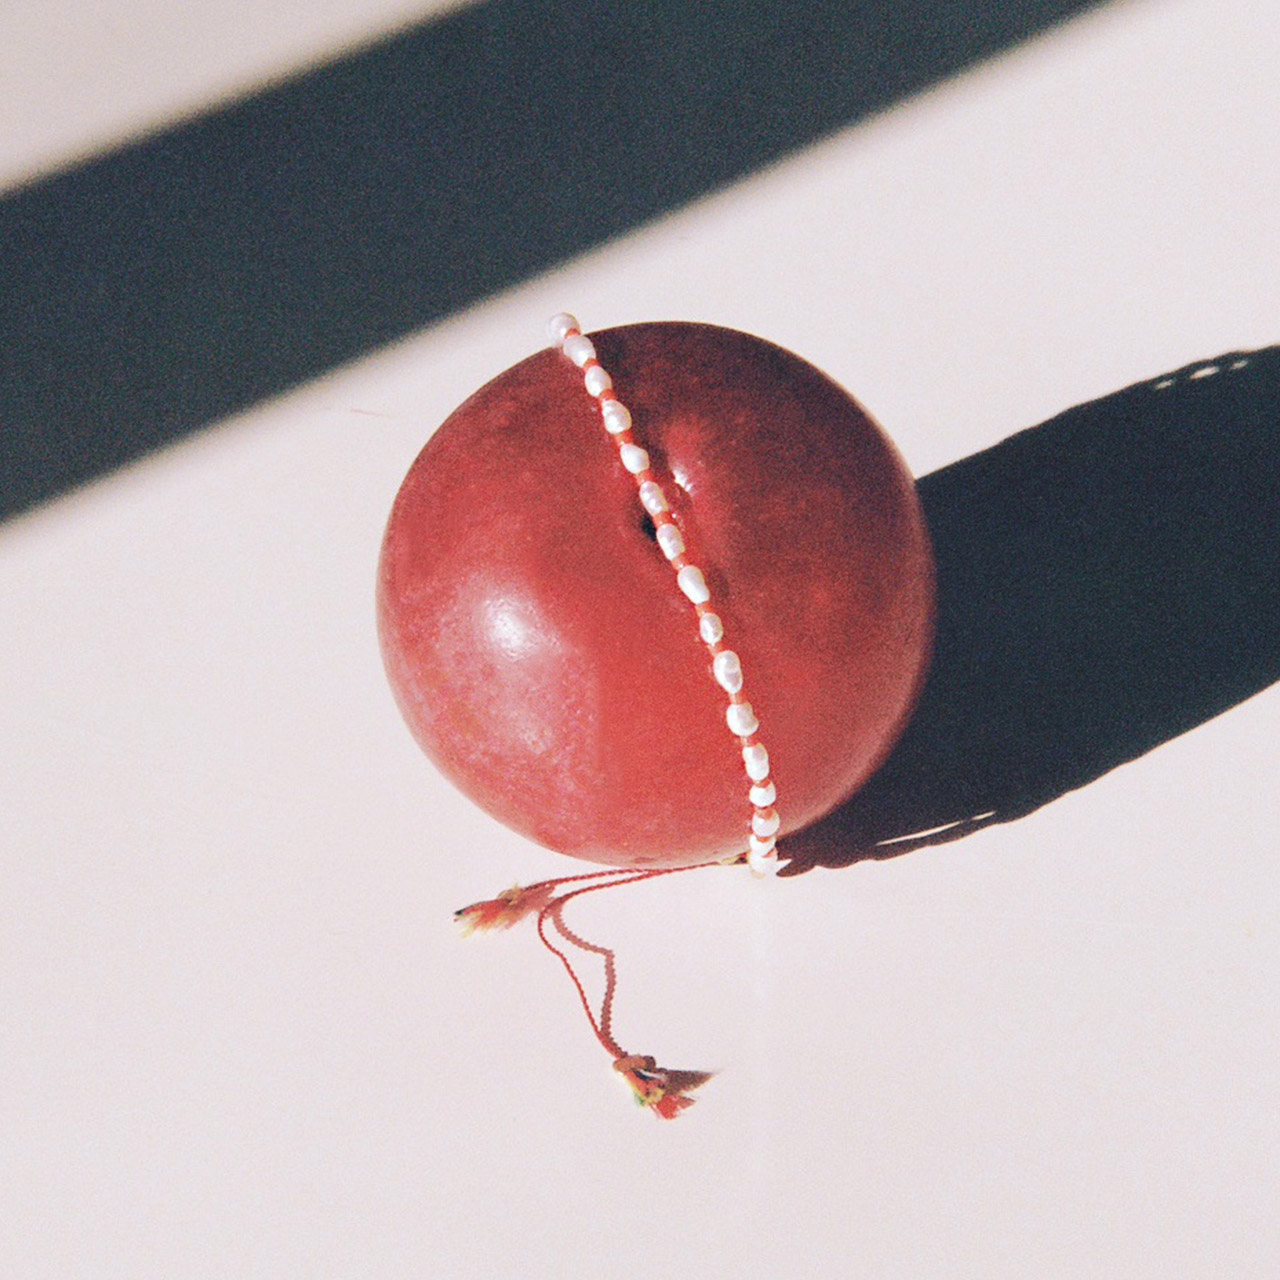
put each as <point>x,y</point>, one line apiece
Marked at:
<point>693,584</point>
<point>560,326</point>
<point>634,458</point>
<point>597,381</point>
<point>761,847</point>
<point>765,823</point>
<point>579,349</point>
<point>670,541</point>
<point>756,758</point>
<point>763,794</point>
<point>652,499</point>
<point>727,669</point>
<point>617,419</point>
<point>742,720</point>
<point>710,628</point>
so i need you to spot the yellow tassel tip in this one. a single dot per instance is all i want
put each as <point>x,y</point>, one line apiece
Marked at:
<point>508,908</point>
<point>663,1092</point>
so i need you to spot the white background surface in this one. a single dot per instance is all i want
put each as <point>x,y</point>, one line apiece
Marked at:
<point>240,1036</point>
<point>83,75</point>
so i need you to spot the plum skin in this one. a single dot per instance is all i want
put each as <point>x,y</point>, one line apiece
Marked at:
<point>541,653</point>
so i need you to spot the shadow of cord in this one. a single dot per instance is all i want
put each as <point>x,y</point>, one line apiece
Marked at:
<point>1106,581</point>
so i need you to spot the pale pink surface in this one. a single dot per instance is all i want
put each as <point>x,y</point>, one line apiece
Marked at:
<point>239,1036</point>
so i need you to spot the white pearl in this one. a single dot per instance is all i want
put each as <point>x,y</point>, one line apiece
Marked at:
<point>727,670</point>
<point>597,380</point>
<point>765,823</point>
<point>560,326</point>
<point>670,541</point>
<point>761,844</point>
<point>634,458</point>
<point>693,584</point>
<point>710,627</point>
<point>742,720</point>
<point>762,864</point>
<point>756,758</point>
<point>616,417</point>
<point>652,499</point>
<point>763,794</point>
<point>579,349</point>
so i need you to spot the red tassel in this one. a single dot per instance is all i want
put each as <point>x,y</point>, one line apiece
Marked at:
<point>508,908</point>
<point>663,1092</point>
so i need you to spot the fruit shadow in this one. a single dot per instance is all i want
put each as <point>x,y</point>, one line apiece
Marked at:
<point>1106,581</point>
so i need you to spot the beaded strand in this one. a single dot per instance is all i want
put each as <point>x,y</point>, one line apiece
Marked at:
<point>726,667</point>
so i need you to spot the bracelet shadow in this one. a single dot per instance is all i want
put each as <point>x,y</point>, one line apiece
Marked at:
<point>1106,582</point>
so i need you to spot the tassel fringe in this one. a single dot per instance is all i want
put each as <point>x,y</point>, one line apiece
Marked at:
<point>508,908</point>
<point>663,1092</point>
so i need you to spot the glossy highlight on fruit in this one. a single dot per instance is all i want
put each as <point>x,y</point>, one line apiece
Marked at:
<point>541,652</point>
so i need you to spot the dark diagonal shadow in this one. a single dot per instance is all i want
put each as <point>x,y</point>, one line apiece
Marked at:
<point>186,276</point>
<point>1106,581</point>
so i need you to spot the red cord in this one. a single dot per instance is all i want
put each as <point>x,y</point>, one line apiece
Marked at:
<point>601,1026</point>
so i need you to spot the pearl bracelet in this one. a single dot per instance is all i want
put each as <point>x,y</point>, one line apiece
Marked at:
<point>726,666</point>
